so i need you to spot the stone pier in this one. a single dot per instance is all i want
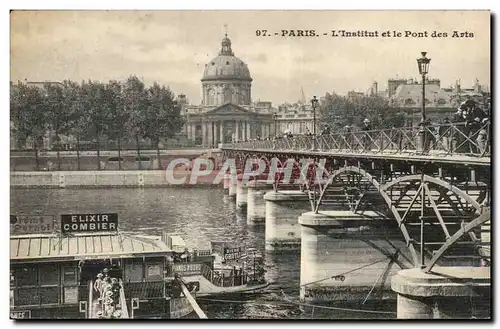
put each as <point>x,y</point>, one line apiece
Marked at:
<point>282,210</point>
<point>445,293</point>
<point>344,255</point>
<point>233,186</point>
<point>226,183</point>
<point>256,205</point>
<point>241,195</point>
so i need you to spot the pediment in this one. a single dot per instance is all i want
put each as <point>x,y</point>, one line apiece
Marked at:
<point>228,109</point>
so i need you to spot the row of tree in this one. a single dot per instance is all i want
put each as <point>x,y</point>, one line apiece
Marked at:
<point>340,111</point>
<point>117,110</point>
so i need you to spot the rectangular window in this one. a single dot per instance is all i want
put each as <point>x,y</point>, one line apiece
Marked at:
<point>27,296</point>
<point>49,295</point>
<point>154,272</point>
<point>133,273</point>
<point>70,295</point>
<point>69,275</point>
<point>49,274</point>
<point>26,276</point>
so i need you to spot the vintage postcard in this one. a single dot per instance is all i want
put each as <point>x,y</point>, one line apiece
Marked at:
<point>250,165</point>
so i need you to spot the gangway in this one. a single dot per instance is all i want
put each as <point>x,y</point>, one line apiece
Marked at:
<point>96,309</point>
<point>193,302</point>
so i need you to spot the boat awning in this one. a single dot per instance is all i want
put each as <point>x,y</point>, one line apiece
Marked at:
<point>89,246</point>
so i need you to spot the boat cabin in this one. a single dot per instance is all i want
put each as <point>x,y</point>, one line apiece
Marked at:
<point>52,276</point>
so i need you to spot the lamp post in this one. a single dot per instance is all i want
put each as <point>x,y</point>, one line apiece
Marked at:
<point>275,117</point>
<point>314,103</point>
<point>423,68</point>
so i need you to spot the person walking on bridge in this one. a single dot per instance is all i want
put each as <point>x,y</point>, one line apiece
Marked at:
<point>366,135</point>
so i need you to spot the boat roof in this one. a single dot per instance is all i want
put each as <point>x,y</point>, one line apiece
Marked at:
<point>83,246</point>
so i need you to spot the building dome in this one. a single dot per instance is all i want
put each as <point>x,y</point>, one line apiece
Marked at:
<point>226,66</point>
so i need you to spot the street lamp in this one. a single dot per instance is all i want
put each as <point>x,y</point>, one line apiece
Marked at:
<point>423,68</point>
<point>275,116</point>
<point>314,103</point>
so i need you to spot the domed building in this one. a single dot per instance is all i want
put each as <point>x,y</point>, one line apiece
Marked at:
<point>226,79</point>
<point>227,112</point>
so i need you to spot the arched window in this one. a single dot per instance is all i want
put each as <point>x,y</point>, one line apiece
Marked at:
<point>228,95</point>
<point>211,97</point>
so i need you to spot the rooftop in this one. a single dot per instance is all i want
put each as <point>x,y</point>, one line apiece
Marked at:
<point>37,247</point>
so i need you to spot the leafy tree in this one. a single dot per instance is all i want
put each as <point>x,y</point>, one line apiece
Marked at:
<point>78,119</point>
<point>164,116</point>
<point>340,111</point>
<point>93,99</point>
<point>117,115</point>
<point>58,114</point>
<point>135,102</point>
<point>27,115</point>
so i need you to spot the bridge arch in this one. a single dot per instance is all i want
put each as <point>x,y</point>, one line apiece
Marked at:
<point>417,181</point>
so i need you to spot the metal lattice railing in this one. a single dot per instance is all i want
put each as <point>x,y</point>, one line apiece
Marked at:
<point>449,139</point>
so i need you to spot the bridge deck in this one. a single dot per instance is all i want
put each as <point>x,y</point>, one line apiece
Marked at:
<point>433,156</point>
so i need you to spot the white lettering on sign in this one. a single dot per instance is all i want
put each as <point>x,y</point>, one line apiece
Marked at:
<point>89,222</point>
<point>32,224</point>
<point>187,268</point>
<point>89,218</point>
<point>19,315</point>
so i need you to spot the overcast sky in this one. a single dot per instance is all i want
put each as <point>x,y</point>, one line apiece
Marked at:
<point>172,47</point>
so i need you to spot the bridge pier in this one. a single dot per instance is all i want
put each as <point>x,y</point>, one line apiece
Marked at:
<point>335,263</point>
<point>256,205</point>
<point>226,183</point>
<point>233,185</point>
<point>241,194</point>
<point>282,210</point>
<point>445,293</point>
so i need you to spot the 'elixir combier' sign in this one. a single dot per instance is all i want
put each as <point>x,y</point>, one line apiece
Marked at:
<point>80,223</point>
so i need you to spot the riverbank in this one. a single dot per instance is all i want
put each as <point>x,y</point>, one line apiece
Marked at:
<point>108,178</point>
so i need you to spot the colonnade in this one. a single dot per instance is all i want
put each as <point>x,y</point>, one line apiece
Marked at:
<point>213,132</point>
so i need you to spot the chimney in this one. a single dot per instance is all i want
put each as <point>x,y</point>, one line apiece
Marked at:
<point>457,86</point>
<point>375,88</point>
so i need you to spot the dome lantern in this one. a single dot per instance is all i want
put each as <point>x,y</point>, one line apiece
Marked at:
<point>226,47</point>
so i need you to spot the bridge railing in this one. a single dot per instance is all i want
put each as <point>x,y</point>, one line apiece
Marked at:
<point>446,139</point>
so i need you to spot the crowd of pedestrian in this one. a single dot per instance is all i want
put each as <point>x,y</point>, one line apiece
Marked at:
<point>108,290</point>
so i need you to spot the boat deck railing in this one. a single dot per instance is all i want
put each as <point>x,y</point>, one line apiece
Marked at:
<point>123,302</point>
<point>221,280</point>
<point>146,290</point>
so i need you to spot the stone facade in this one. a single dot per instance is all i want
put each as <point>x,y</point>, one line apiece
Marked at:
<point>227,112</point>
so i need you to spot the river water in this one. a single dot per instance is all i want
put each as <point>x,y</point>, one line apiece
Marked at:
<point>200,215</point>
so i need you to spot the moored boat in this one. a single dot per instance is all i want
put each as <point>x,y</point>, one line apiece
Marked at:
<point>52,276</point>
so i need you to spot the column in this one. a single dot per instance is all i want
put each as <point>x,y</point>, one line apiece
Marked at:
<point>193,131</point>
<point>188,130</point>
<point>210,134</point>
<point>249,133</point>
<point>221,131</point>
<point>204,128</point>
<point>237,133</point>
<point>262,130</point>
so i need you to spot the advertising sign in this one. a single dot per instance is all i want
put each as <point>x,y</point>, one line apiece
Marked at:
<point>80,223</point>
<point>28,224</point>
<point>187,269</point>
<point>232,254</point>
<point>20,315</point>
